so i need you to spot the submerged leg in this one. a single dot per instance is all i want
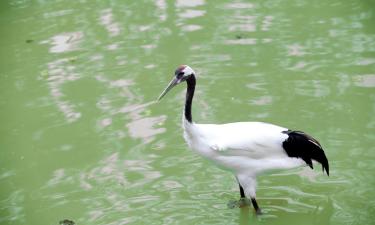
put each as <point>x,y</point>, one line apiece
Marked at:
<point>242,202</point>
<point>247,188</point>
<point>256,207</point>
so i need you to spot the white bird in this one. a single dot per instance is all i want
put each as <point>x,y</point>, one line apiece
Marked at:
<point>246,148</point>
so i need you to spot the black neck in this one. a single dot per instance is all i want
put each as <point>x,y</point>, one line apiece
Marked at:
<point>189,97</point>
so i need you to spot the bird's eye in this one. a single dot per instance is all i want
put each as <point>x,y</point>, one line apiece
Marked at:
<point>180,74</point>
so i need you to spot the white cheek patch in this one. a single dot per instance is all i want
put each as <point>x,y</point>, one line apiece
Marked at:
<point>188,71</point>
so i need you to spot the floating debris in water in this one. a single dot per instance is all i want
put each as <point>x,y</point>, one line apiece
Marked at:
<point>66,222</point>
<point>72,59</point>
<point>240,36</point>
<point>238,203</point>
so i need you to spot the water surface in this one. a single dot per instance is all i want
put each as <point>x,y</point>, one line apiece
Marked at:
<point>82,139</point>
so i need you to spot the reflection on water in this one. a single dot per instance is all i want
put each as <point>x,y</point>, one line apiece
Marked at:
<point>247,41</point>
<point>295,50</point>
<point>65,42</point>
<point>189,3</point>
<point>367,80</point>
<point>115,179</point>
<point>116,157</point>
<point>60,72</point>
<point>144,128</point>
<point>12,207</point>
<point>162,6</point>
<point>106,19</point>
<point>192,13</point>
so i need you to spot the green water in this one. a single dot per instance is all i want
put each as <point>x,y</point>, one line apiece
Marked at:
<point>82,140</point>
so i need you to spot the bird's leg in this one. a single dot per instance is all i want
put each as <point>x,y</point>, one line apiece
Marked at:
<point>249,182</point>
<point>242,192</point>
<point>256,207</point>
<point>243,201</point>
<point>240,203</point>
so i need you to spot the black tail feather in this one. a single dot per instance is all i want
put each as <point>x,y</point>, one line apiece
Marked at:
<point>307,148</point>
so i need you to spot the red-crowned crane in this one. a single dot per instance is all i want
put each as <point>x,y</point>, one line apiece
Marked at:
<point>246,148</point>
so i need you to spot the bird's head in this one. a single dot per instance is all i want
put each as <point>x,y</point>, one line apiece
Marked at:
<point>181,74</point>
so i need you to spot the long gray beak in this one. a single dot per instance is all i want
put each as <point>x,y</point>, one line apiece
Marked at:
<point>171,84</point>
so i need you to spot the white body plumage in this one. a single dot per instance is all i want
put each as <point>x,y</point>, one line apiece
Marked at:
<point>245,148</point>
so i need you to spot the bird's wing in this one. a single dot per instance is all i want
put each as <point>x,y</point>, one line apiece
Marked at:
<point>252,139</point>
<point>261,146</point>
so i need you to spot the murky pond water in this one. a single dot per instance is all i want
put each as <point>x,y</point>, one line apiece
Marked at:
<point>82,140</point>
